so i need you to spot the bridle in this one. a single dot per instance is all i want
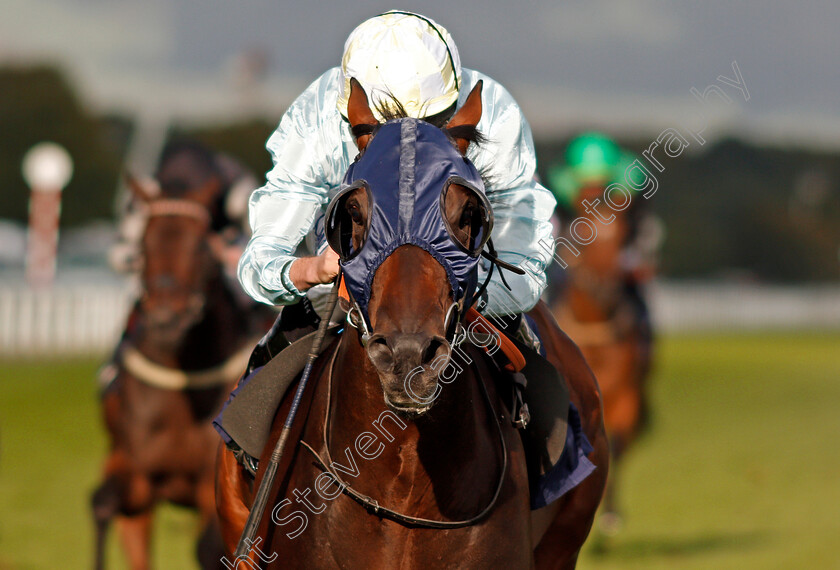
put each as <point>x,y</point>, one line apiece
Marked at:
<point>372,505</point>
<point>173,207</point>
<point>451,321</point>
<point>176,207</point>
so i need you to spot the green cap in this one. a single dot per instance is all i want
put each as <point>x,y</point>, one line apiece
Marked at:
<point>591,158</point>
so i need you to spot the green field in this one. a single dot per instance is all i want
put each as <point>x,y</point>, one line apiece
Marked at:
<point>741,468</point>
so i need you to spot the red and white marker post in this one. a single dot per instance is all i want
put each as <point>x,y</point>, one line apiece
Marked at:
<point>47,168</point>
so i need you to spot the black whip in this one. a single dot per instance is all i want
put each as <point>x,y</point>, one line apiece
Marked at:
<point>261,498</point>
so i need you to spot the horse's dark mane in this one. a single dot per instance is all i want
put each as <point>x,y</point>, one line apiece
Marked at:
<point>466,132</point>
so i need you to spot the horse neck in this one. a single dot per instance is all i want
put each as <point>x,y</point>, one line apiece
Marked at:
<point>210,340</point>
<point>223,326</point>
<point>444,464</point>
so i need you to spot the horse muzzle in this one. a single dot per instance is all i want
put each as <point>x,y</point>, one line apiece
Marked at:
<point>408,365</point>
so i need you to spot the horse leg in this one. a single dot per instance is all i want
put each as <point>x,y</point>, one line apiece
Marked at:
<point>610,520</point>
<point>644,358</point>
<point>561,543</point>
<point>105,504</point>
<point>210,548</point>
<point>136,533</point>
<point>108,500</point>
<point>233,497</point>
<point>622,411</point>
<point>135,520</point>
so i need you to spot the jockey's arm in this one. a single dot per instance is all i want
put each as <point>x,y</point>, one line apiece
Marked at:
<point>279,223</point>
<point>521,206</point>
<point>307,164</point>
<point>312,149</point>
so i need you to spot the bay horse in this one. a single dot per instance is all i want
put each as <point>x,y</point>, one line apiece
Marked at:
<point>438,466</point>
<point>596,312</point>
<point>186,345</point>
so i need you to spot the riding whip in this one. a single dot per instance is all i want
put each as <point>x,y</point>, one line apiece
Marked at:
<point>261,498</point>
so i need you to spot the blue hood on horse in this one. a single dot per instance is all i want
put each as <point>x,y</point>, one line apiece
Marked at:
<point>407,170</point>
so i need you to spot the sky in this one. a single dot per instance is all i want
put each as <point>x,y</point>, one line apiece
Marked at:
<point>620,65</point>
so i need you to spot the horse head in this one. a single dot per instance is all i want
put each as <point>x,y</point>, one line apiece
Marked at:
<point>178,259</point>
<point>409,224</point>
<point>597,275</point>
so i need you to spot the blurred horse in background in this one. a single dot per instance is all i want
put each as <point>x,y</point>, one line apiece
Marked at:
<point>597,310</point>
<point>186,343</point>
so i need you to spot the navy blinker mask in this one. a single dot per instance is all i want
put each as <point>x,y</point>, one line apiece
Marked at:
<point>406,169</point>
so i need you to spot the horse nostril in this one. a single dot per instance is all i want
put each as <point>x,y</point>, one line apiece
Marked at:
<point>380,353</point>
<point>405,351</point>
<point>432,349</point>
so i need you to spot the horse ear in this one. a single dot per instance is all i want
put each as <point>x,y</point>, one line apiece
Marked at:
<point>359,113</point>
<point>140,189</point>
<point>467,116</point>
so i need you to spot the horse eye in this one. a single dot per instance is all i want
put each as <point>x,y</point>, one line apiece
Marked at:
<point>355,212</point>
<point>466,216</point>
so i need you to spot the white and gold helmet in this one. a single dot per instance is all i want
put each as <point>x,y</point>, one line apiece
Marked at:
<point>403,56</point>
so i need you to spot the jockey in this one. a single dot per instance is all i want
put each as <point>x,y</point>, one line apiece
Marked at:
<point>188,164</point>
<point>402,60</point>
<point>411,59</point>
<point>594,160</point>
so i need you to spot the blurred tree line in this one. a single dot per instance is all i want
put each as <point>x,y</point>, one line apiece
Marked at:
<point>37,104</point>
<point>731,209</point>
<point>737,210</point>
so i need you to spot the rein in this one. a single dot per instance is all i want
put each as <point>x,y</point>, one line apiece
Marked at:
<point>372,505</point>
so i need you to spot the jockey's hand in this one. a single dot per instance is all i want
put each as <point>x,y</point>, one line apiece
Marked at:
<point>307,272</point>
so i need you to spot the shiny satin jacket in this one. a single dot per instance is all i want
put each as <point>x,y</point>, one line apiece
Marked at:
<point>406,169</point>
<point>312,149</point>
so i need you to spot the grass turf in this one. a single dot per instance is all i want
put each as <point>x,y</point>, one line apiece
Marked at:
<point>741,467</point>
<point>52,445</point>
